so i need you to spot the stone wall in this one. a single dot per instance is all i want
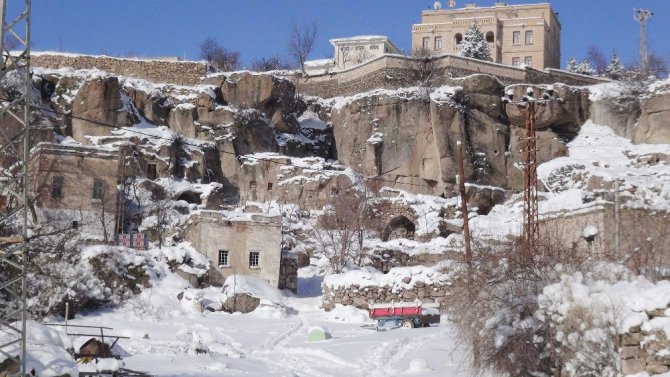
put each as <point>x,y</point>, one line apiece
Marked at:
<point>645,351</point>
<point>288,274</point>
<point>362,297</point>
<point>158,71</point>
<point>394,71</point>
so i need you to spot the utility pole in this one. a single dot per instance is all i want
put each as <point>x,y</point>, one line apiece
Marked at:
<point>642,16</point>
<point>617,220</point>
<point>530,223</point>
<point>460,180</point>
<point>15,25</point>
<point>528,103</point>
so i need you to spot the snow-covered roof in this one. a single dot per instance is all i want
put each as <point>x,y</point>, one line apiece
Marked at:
<point>365,39</point>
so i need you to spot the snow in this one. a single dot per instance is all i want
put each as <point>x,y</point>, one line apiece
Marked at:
<point>173,338</point>
<point>46,350</point>
<point>340,102</point>
<point>398,278</point>
<point>444,93</point>
<point>590,231</point>
<point>608,90</point>
<point>311,120</point>
<point>624,303</point>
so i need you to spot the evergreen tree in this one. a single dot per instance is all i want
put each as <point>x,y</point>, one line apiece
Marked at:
<point>615,69</point>
<point>572,65</point>
<point>584,68</point>
<point>474,44</point>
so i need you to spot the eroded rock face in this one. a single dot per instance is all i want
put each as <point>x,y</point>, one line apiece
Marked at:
<point>549,146</point>
<point>98,99</point>
<point>619,113</point>
<point>389,136</point>
<point>653,127</point>
<point>566,113</point>
<point>154,106</point>
<point>274,96</point>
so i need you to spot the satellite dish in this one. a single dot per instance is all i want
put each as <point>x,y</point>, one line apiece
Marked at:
<point>437,5</point>
<point>452,3</point>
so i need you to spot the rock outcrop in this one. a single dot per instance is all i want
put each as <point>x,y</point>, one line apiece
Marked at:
<point>410,140</point>
<point>98,100</point>
<point>653,127</point>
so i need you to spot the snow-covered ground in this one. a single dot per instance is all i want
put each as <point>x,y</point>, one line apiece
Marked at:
<point>173,338</point>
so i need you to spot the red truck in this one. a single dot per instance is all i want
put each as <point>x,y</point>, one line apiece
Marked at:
<point>404,314</point>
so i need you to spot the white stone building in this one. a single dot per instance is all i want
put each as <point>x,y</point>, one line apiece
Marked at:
<point>352,51</point>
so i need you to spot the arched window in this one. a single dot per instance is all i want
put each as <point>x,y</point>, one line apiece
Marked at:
<point>458,38</point>
<point>490,37</point>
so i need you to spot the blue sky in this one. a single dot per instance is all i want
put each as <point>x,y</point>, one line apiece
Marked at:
<point>258,28</point>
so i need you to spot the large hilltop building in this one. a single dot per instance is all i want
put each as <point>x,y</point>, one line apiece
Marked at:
<point>517,34</point>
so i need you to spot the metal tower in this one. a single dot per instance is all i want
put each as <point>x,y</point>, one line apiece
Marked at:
<point>642,16</point>
<point>14,153</point>
<point>530,215</point>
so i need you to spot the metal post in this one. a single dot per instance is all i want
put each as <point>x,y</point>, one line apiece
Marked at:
<point>15,149</point>
<point>460,180</point>
<point>617,220</point>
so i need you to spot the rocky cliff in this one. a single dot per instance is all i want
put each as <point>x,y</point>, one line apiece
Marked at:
<point>406,138</point>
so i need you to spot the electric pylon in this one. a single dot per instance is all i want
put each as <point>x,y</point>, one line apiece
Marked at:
<point>15,79</point>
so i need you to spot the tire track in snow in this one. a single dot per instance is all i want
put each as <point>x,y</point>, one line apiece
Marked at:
<point>379,362</point>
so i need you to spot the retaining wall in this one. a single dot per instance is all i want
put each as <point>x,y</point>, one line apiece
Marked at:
<point>158,71</point>
<point>645,351</point>
<point>362,297</point>
<point>395,71</point>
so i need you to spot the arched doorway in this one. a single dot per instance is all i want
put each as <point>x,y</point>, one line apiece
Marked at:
<point>399,227</point>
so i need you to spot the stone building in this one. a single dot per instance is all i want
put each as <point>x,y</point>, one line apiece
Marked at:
<point>352,51</point>
<point>517,34</point>
<point>242,243</point>
<point>76,186</point>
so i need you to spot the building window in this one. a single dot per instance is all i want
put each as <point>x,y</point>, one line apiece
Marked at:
<point>529,37</point>
<point>98,188</point>
<point>151,171</point>
<point>516,61</point>
<point>528,60</point>
<point>426,43</point>
<point>334,191</point>
<point>490,37</point>
<point>57,187</point>
<point>223,258</point>
<point>374,47</point>
<point>254,257</point>
<point>516,38</point>
<point>458,38</point>
<point>269,186</point>
<point>438,43</point>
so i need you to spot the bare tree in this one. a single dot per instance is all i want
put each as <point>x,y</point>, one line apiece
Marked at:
<point>423,70</point>
<point>597,59</point>
<point>301,43</point>
<point>493,299</point>
<point>218,56</point>
<point>272,63</point>
<point>341,231</point>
